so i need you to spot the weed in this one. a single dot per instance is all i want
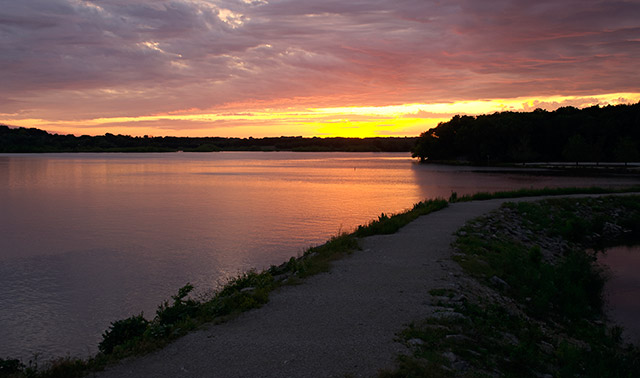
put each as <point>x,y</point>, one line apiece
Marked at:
<point>123,331</point>
<point>10,366</point>
<point>482,196</point>
<point>181,308</point>
<point>386,224</point>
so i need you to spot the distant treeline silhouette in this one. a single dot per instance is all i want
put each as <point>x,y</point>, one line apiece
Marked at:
<point>35,140</point>
<point>594,134</point>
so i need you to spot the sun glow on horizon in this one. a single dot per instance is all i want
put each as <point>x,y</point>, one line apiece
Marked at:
<point>353,121</point>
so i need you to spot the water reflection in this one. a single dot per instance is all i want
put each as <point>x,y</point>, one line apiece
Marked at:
<point>89,238</point>
<point>623,288</point>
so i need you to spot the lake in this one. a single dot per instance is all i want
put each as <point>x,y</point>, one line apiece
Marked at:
<point>86,239</point>
<point>622,290</point>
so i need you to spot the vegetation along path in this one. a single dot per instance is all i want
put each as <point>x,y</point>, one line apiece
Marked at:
<point>340,323</point>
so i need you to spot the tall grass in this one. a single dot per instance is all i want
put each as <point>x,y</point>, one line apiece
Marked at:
<point>530,192</point>
<point>386,224</point>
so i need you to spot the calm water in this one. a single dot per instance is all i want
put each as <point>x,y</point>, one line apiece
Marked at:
<point>623,288</point>
<point>86,239</point>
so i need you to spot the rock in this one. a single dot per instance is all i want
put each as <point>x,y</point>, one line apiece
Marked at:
<point>611,230</point>
<point>546,347</point>
<point>458,338</point>
<point>448,315</point>
<point>435,327</point>
<point>497,281</point>
<point>450,356</point>
<point>460,365</point>
<point>415,342</point>
<point>282,277</point>
<point>459,298</point>
<point>473,352</point>
<point>510,338</point>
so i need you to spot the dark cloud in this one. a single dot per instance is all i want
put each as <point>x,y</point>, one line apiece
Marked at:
<point>117,57</point>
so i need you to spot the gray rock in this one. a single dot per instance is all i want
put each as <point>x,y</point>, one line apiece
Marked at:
<point>497,281</point>
<point>458,338</point>
<point>448,315</point>
<point>450,356</point>
<point>460,365</point>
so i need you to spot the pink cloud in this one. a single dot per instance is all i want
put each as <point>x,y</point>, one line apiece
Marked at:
<point>65,59</point>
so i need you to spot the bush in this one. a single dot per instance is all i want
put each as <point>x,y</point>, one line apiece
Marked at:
<point>123,331</point>
<point>10,366</point>
<point>180,310</point>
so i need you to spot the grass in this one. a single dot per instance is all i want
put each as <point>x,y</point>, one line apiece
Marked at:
<point>545,316</point>
<point>136,335</point>
<point>391,224</point>
<point>519,193</point>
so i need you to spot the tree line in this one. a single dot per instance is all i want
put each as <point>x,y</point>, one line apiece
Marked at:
<point>21,140</point>
<point>593,134</point>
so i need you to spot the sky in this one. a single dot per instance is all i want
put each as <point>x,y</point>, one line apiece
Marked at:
<point>306,67</point>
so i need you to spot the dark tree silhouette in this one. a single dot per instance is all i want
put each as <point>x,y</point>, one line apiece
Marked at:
<point>576,149</point>
<point>626,151</point>
<point>566,134</point>
<point>34,140</point>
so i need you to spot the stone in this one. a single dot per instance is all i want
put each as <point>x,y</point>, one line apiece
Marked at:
<point>448,315</point>
<point>450,356</point>
<point>497,281</point>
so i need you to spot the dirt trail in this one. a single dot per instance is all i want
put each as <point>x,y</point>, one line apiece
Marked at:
<point>338,323</point>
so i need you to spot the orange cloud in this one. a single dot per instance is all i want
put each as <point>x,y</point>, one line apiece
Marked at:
<point>355,121</point>
<point>266,67</point>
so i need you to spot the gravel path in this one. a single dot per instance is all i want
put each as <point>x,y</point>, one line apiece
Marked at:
<point>335,324</point>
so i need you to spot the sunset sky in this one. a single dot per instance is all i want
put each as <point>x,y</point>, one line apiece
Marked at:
<point>306,67</point>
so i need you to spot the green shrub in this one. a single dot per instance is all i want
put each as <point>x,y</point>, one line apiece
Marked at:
<point>518,193</point>
<point>250,279</point>
<point>390,224</point>
<point>10,366</point>
<point>181,308</point>
<point>123,331</point>
<point>66,367</point>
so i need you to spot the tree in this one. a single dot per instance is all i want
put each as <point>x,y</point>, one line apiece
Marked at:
<point>576,149</point>
<point>626,151</point>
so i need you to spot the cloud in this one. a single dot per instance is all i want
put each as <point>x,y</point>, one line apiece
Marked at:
<point>430,115</point>
<point>579,102</point>
<point>74,59</point>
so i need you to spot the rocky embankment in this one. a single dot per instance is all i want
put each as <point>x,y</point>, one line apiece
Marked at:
<point>526,296</point>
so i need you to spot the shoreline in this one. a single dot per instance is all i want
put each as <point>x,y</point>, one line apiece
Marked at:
<point>529,295</point>
<point>246,286</point>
